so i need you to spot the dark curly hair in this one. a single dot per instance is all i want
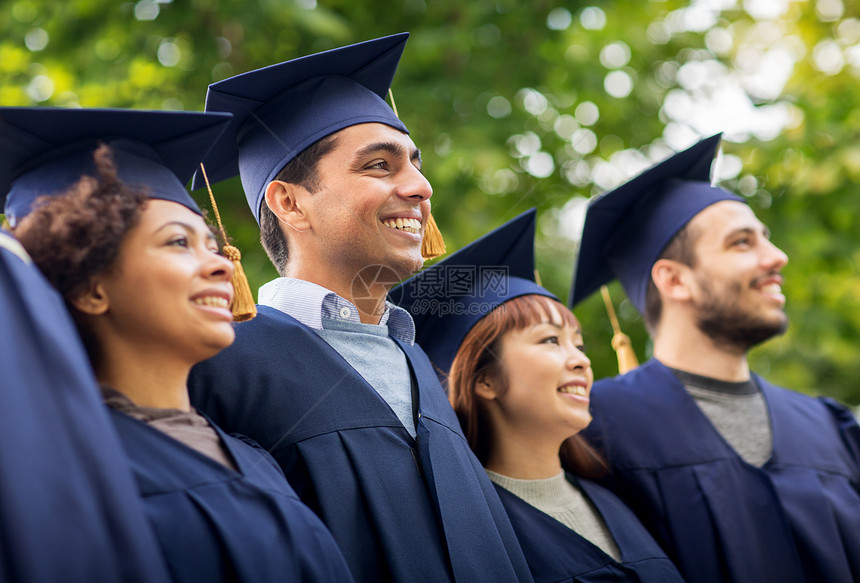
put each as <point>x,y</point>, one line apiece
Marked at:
<point>76,235</point>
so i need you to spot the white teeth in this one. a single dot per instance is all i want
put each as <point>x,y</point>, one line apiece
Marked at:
<point>573,389</point>
<point>214,301</point>
<point>772,288</point>
<point>408,225</point>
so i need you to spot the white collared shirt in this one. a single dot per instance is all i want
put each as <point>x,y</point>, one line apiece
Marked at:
<point>309,303</point>
<point>368,348</point>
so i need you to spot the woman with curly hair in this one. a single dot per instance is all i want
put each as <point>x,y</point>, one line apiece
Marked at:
<point>141,272</point>
<point>519,381</point>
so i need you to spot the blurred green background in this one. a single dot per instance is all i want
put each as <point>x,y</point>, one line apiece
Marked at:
<point>519,104</point>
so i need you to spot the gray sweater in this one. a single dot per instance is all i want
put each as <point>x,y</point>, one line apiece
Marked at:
<point>566,503</point>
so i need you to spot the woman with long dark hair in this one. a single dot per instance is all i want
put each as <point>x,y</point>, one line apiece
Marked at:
<point>519,380</point>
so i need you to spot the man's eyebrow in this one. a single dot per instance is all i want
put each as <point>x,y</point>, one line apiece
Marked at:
<point>765,232</point>
<point>741,230</point>
<point>393,148</point>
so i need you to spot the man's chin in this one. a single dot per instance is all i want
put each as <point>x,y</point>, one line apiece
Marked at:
<point>742,336</point>
<point>410,267</point>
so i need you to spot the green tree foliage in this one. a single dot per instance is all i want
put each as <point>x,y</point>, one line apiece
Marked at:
<point>543,103</point>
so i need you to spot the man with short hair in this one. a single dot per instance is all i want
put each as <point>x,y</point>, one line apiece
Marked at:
<point>327,377</point>
<point>738,480</point>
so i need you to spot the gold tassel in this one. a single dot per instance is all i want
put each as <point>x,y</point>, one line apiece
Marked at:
<point>620,341</point>
<point>243,307</point>
<point>433,244</point>
<point>393,106</point>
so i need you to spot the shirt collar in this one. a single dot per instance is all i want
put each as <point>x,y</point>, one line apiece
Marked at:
<point>309,303</point>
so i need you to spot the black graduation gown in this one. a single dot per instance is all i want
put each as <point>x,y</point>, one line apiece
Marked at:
<point>720,519</point>
<point>557,554</point>
<point>217,525</point>
<point>400,510</point>
<point>69,509</point>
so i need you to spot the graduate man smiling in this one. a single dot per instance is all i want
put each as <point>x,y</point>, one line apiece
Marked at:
<point>738,480</point>
<point>327,377</point>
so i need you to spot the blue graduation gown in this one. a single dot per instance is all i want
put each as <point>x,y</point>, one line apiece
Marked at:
<point>795,519</point>
<point>557,554</point>
<point>217,525</point>
<point>400,510</point>
<point>69,509</point>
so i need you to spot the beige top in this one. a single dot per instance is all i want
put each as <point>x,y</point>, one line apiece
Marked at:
<point>187,427</point>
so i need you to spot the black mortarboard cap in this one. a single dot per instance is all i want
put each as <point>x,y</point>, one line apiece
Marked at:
<point>449,298</point>
<point>46,150</point>
<point>282,109</point>
<point>627,229</point>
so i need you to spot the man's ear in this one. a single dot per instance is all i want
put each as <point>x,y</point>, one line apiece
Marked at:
<point>93,301</point>
<point>288,202</point>
<point>486,387</point>
<point>672,279</point>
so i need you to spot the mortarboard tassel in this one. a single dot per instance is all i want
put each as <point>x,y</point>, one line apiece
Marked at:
<point>243,307</point>
<point>620,341</point>
<point>433,244</point>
